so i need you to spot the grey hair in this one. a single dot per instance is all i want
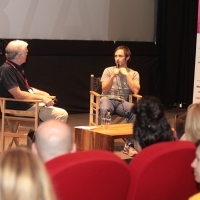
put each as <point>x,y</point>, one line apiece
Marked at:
<point>14,48</point>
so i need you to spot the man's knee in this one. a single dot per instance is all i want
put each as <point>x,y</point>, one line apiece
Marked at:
<point>63,116</point>
<point>56,113</point>
<point>128,107</point>
<point>104,103</point>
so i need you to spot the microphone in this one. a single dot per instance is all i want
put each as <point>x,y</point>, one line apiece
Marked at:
<point>117,65</point>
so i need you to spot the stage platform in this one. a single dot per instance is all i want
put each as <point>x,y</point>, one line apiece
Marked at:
<point>82,119</point>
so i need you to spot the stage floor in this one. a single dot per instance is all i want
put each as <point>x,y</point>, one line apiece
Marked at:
<point>83,120</point>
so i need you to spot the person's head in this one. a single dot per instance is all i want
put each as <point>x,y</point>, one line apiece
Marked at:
<point>23,176</point>
<point>180,124</point>
<point>196,163</point>
<point>122,55</point>
<point>53,138</point>
<point>17,51</point>
<point>192,125</point>
<point>150,125</point>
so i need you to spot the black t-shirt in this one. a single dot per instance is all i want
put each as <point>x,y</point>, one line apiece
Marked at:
<point>10,78</point>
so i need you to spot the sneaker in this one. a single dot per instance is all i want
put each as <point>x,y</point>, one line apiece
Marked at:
<point>129,151</point>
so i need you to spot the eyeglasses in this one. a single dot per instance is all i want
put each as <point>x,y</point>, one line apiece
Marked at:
<point>23,53</point>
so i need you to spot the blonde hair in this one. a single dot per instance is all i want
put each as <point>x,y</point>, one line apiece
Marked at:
<point>23,176</point>
<point>192,124</point>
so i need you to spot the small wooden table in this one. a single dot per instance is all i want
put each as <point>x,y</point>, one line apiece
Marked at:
<point>101,138</point>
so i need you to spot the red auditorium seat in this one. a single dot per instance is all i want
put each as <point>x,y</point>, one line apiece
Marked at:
<point>163,172</point>
<point>91,175</point>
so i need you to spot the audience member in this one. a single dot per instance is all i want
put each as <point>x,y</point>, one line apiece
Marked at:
<point>196,167</point>
<point>150,125</point>
<point>192,125</point>
<point>179,126</point>
<point>23,176</point>
<point>14,84</point>
<point>53,138</point>
<point>117,83</point>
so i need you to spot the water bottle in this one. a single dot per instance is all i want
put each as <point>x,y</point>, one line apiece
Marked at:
<point>103,121</point>
<point>108,120</point>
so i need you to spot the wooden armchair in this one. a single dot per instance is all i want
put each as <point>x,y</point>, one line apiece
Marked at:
<point>95,95</point>
<point>13,118</point>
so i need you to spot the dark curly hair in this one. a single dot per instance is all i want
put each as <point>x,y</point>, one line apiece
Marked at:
<point>150,125</point>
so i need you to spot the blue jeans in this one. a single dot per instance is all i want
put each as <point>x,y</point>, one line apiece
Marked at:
<point>121,108</point>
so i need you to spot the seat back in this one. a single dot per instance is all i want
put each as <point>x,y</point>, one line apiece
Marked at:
<point>95,84</point>
<point>163,171</point>
<point>99,175</point>
<point>13,118</point>
<point>95,94</point>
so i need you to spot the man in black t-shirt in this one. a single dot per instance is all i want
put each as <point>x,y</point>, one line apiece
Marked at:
<point>14,84</point>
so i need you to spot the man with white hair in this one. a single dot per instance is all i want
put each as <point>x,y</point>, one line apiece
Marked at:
<point>14,84</point>
<point>52,139</point>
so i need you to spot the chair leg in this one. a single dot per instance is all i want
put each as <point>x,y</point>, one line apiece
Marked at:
<point>9,125</point>
<point>16,126</point>
<point>16,141</point>
<point>10,145</point>
<point>3,143</point>
<point>13,129</point>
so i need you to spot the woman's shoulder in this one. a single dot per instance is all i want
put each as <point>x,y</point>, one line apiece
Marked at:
<point>184,137</point>
<point>195,197</point>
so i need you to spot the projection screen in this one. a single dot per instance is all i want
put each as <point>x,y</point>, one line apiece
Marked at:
<point>106,20</point>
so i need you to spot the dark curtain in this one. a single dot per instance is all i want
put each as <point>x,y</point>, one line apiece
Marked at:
<point>176,37</point>
<point>166,67</point>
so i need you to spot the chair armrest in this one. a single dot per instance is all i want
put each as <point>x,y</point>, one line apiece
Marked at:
<point>25,100</point>
<point>20,100</point>
<point>137,96</point>
<point>95,93</point>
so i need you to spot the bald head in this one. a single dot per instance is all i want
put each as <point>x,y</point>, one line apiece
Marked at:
<point>53,138</point>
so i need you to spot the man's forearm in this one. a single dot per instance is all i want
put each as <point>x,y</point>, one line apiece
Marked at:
<point>27,95</point>
<point>134,85</point>
<point>19,94</point>
<point>36,91</point>
<point>107,85</point>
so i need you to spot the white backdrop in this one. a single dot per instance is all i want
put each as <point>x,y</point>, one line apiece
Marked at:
<point>114,20</point>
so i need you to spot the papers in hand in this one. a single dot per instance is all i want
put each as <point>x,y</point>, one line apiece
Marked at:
<point>86,127</point>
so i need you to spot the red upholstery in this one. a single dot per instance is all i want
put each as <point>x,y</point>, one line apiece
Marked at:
<point>163,172</point>
<point>91,175</point>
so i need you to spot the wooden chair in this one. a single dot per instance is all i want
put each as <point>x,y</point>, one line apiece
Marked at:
<point>95,95</point>
<point>13,118</point>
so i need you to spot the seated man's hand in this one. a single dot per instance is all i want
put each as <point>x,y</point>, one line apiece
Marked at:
<point>123,71</point>
<point>47,101</point>
<point>116,71</point>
